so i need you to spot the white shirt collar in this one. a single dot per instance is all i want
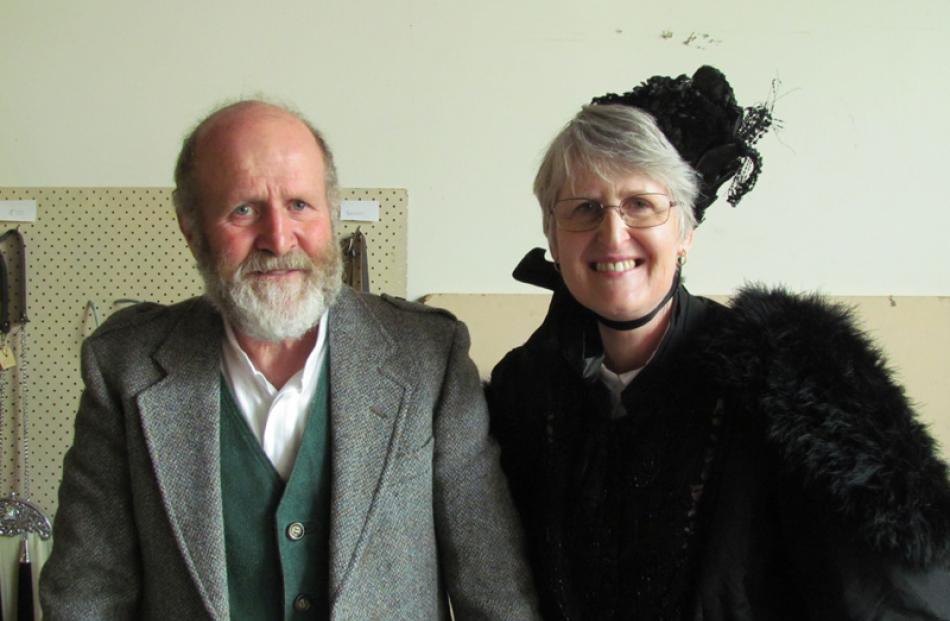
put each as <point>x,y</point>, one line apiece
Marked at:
<point>276,417</point>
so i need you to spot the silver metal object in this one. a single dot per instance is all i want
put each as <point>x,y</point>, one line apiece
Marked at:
<point>355,261</point>
<point>19,516</point>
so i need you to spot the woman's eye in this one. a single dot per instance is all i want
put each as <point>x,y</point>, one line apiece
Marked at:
<point>637,203</point>
<point>587,208</point>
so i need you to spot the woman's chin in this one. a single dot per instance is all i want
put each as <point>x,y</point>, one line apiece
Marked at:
<point>626,311</point>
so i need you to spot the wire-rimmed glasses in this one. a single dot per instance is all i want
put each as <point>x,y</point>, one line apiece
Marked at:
<point>638,211</point>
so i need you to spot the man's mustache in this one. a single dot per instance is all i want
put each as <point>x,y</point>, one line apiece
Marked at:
<point>262,261</point>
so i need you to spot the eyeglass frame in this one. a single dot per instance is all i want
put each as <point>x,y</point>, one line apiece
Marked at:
<point>619,208</point>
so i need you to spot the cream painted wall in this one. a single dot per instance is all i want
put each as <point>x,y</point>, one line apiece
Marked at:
<point>455,101</point>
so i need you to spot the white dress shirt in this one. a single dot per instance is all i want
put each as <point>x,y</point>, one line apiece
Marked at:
<point>276,417</point>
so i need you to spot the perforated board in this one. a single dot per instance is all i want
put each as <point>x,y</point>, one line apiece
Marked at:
<point>108,244</point>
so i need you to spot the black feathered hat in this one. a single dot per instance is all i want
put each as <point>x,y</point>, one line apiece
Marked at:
<point>700,117</point>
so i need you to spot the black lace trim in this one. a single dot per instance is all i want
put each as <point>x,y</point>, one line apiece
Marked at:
<point>702,120</point>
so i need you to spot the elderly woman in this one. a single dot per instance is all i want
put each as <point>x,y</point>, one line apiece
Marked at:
<point>673,458</point>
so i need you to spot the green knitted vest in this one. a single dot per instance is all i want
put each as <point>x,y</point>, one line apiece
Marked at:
<point>276,534</point>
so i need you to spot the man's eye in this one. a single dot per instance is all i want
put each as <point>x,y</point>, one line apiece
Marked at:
<point>299,205</point>
<point>243,210</point>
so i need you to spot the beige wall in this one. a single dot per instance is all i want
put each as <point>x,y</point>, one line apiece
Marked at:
<point>913,332</point>
<point>455,101</point>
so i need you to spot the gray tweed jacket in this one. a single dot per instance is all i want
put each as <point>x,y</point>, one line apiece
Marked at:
<point>419,505</point>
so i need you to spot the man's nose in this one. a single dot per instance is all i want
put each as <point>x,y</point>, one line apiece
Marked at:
<point>275,231</point>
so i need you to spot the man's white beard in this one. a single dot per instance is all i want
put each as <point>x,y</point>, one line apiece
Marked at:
<point>274,310</point>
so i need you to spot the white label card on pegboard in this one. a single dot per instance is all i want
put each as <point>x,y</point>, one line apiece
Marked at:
<point>359,211</point>
<point>18,211</point>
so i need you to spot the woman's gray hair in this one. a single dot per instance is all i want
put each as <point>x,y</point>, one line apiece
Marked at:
<point>613,140</point>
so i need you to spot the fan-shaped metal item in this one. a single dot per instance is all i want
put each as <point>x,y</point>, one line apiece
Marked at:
<point>19,516</point>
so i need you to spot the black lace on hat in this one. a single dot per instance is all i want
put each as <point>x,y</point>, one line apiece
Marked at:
<point>700,117</point>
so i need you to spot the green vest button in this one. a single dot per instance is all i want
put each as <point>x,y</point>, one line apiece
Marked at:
<point>302,603</point>
<point>296,531</point>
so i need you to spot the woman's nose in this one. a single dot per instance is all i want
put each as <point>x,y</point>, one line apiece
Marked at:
<point>612,228</point>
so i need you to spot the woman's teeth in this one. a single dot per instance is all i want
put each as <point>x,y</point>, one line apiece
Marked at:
<point>616,266</point>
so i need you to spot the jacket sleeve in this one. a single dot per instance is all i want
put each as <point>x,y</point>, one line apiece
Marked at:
<point>515,425</point>
<point>840,577</point>
<point>480,539</point>
<point>863,495</point>
<point>94,570</point>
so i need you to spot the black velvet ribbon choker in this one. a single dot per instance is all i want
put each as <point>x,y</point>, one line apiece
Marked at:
<point>632,324</point>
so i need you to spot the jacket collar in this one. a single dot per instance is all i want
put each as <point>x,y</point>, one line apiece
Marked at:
<point>367,400</point>
<point>180,417</point>
<point>568,327</point>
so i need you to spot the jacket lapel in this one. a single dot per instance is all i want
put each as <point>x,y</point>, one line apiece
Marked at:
<point>181,421</point>
<point>366,399</point>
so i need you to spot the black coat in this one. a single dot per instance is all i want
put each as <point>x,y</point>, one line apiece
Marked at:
<point>767,468</point>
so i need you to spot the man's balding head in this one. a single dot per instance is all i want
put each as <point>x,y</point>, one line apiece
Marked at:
<point>215,126</point>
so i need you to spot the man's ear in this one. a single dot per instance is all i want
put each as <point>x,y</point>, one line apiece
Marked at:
<point>187,226</point>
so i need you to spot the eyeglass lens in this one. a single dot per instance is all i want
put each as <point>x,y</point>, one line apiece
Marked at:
<point>637,211</point>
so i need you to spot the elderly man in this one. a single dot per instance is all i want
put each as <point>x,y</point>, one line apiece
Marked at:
<point>282,447</point>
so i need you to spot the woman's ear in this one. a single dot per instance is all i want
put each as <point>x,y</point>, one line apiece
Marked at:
<point>687,242</point>
<point>552,244</point>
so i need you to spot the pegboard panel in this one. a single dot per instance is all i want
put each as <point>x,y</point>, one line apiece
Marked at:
<point>92,250</point>
<point>15,464</point>
<point>385,240</point>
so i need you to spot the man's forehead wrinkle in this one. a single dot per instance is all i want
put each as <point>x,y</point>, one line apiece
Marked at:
<point>253,153</point>
<point>258,172</point>
<point>262,187</point>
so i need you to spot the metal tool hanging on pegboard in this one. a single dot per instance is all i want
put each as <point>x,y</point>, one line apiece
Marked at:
<point>355,261</point>
<point>18,515</point>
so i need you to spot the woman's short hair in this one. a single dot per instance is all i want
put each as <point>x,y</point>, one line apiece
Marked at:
<point>613,140</point>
